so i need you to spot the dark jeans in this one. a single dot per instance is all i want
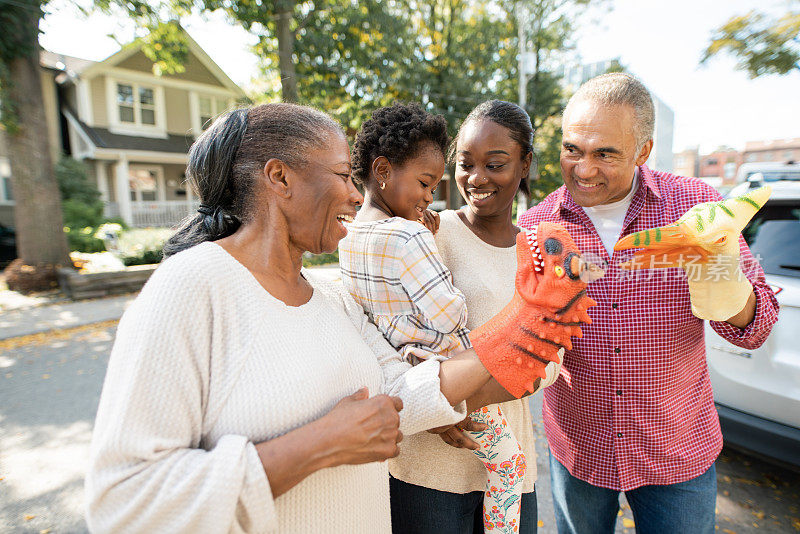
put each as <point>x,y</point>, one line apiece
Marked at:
<point>685,507</point>
<point>418,510</point>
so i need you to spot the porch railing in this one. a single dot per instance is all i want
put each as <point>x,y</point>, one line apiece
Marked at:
<point>165,213</point>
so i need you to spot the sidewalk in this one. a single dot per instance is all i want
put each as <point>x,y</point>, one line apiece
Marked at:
<point>61,314</point>
<point>47,317</point>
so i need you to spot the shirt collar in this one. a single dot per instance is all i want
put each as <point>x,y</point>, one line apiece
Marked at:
<point>565,201</point>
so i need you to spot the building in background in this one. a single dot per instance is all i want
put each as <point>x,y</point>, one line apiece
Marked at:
<point>687,163</point>
<point>776,151</point>
<point>661,157</point>
<point>722,163</point>
<point>133,129</point>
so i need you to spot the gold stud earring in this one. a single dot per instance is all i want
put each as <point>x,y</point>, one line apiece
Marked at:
<point>383,185</point>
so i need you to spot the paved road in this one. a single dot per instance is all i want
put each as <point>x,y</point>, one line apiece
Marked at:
<point>50,387</point>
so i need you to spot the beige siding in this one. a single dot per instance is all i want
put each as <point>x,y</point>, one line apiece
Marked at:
<point>51,114</point>
<point>195,70</point>
<point>7,216</point>
<point>97,94</point>
<point>174,174</point>
<point>179,114</point>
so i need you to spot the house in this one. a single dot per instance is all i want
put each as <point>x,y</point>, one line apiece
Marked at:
<point>131,127</point>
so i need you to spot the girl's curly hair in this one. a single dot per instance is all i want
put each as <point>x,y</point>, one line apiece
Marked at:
<point>397,132</point>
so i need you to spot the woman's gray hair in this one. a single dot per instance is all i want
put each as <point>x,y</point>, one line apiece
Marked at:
<point>619,88</point>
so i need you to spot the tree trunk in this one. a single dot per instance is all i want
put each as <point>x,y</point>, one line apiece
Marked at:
<point>37,215</point>
<point>286,51</point>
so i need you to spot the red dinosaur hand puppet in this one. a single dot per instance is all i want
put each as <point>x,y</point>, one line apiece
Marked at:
<point>548,306</point>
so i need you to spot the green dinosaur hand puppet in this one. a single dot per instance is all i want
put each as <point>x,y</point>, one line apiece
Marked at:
<point>548,307</point>
<point>705,243</point>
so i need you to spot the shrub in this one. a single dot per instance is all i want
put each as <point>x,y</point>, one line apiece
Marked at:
<point>320,259</point>
<point>80,205</point>
<point>141,246</point>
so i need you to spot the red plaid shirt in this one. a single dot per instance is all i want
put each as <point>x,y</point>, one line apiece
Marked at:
<point>633,405</point>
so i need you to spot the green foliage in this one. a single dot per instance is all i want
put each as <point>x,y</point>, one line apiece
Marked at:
<point>19,21</point>
<point>81,206</point>
<point>142,246</point>
<point>320,259</point>
<point>80,199</point>
<point>761,44</point>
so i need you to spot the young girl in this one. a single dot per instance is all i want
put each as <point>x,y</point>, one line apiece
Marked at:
<point>390,265</point>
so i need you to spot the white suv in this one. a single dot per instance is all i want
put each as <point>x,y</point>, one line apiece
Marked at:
<point>757,392</point>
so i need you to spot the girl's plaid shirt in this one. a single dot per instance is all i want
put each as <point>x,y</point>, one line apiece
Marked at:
<point>393,269</point>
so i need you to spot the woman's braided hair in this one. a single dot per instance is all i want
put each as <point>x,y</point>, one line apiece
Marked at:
<point>397,132</point>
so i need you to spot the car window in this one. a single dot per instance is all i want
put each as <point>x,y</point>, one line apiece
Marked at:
<point>774,237</point>
<point>776,175</point>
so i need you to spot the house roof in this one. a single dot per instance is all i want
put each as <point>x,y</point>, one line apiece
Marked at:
<point>103,138</point>
<point>74,66</point>
<point>130,49</point>
<point>61,62</point>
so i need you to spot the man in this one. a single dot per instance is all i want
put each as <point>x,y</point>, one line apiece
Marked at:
<point>633,409</point>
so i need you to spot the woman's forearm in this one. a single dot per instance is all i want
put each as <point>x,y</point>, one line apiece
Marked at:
<point>292,457</point>
<point>494,393</point>
<point>462,376</point>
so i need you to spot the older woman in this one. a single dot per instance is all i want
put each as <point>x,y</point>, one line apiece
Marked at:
<point>237,394</point>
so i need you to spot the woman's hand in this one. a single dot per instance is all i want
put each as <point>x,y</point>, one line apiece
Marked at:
<point>431,220</point>
<point>454,435</point>
<point>364,429</point>
<point>357,430</point>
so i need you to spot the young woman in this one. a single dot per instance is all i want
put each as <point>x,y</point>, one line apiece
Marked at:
<point>492,153</point>
<point>390,265</point>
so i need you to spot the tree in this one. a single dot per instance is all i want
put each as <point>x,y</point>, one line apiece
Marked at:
<point>760,43</point>
<point>40,239</point>
<point>547,27</point>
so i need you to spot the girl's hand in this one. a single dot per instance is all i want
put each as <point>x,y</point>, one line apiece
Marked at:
<point>431,220</point>
<point>364,429</point>
<point>454,435</point>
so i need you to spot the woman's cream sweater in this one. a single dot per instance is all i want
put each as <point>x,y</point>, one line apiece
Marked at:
<point>205,364</point>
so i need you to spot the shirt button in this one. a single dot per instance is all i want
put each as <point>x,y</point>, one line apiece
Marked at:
<point>614,305</point>
<point>617,350</point>
<point>619,434</point>
<point>619,392</point>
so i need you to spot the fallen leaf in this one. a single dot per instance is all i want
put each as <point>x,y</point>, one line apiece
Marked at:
<point>80,371</point>
<point>540,524</point>
<point>46,531</point>
<point>628,523</point>
<point>619,514</point>
<point>759,514</point>
<point>728,531</point>
<point>45,376</point>
<point>29,517</point>
<point>726,493</point>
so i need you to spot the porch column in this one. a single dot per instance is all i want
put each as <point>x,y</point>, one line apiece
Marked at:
<point>123,189</point>
<point>522,205</point>
<point>102,179</point>
<point>189,196</point>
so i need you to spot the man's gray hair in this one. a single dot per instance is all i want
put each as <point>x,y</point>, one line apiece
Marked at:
<point>619,88</point>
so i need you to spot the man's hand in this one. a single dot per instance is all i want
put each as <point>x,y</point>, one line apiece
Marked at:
<point>454,435</point>
<point>704,242</point>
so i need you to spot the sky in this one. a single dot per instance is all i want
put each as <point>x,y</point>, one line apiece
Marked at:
<point>660,41</point>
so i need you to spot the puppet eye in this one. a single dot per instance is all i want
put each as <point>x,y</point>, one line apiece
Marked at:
<point>721,240</point>
<point>559,270</point>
